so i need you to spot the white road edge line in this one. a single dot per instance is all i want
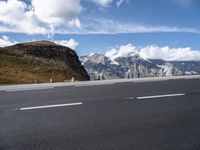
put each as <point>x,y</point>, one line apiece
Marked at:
<point>160,96</point>
<point>50,106</point>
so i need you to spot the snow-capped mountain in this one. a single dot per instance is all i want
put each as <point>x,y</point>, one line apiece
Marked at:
<point>123,63</point>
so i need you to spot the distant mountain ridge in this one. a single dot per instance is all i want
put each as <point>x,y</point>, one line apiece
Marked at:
<point>131,65</point>
<point>40,61</point>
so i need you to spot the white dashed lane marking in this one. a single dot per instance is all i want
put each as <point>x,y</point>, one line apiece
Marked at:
<point>50,106</point>
<point>160,96</point>
<point>156,96</point>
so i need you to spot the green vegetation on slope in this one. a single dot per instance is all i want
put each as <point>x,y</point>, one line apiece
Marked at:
<point>21,69</point>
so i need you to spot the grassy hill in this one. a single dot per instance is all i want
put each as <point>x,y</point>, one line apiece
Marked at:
<point>39,62</point>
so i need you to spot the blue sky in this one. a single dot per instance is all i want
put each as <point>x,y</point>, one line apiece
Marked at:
<point>100,25</point>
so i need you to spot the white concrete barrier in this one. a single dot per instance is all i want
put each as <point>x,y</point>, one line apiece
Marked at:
<point>24,87</point>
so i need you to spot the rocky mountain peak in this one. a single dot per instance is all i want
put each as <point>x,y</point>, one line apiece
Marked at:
<point>120,63</point>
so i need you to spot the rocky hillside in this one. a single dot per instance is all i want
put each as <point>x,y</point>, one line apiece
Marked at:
<point>131,65</point>
<point>39,62</point>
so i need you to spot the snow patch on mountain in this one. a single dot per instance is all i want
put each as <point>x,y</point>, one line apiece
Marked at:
<point>127,62</point>
<point>123,51</point>
<point>167,70</point>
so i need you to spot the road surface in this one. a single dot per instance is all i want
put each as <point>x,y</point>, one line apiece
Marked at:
<point>159,115</point>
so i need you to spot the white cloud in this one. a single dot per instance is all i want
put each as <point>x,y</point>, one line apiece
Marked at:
<point>5,41</point>
<point>167,53</point>
<point>75,23</point>
<point>122,51</point>
<point>71,43</point>
<point>56,11</point>
<point>103,3</point>
<point>106,26</point>
<point>106,3</point>
<point>61,16</point>
<point>17,17</point>
<point>154,52</point>
<point>41,17</point>
<point>68,43</point>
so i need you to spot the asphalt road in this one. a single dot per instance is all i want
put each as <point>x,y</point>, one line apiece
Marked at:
<point>162,115</point>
